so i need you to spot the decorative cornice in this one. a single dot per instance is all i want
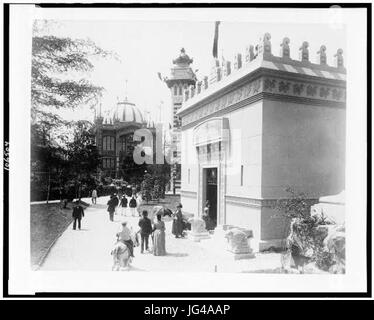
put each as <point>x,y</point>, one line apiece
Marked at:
<point>257,202</point>
<point>270,88</point>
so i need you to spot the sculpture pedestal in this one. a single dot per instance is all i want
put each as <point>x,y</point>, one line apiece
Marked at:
<point>198,231</point>
<point>199,236</point>
<point>239,243</point>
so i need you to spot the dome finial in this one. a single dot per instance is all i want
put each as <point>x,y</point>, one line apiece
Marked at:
<point>126,90</point>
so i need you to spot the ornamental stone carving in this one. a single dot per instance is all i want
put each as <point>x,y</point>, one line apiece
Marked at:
<point>238,240</point>
<point>298,88</point>
<point>238,61</point>
<point>324,92</point>
<point>284,86</point>
<point>269,84</point>
<point>304,52</point>
<point>264,47</point>
<point>322,58</point>
<point>311,90</point>
<point>285,48</point>
<point>339,60</point>
<point>249,54</point>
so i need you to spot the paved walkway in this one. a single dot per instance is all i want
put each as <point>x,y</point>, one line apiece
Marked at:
<point>89,249</point>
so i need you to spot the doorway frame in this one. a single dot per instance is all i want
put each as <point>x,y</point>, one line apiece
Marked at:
<point>204,187</point>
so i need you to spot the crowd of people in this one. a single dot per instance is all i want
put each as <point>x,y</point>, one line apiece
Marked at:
<point>150,231</point>
<point>121,205</point>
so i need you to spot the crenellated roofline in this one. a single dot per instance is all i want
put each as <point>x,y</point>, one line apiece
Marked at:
<point>270,74</point>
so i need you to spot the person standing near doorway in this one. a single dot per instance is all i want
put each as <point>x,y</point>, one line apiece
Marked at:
<point>132,205</point>
<point>177,227</point>
<point>78,214</point>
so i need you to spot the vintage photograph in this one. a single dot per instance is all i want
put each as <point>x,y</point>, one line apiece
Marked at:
<point>183,151</point>
<point>191,146</point>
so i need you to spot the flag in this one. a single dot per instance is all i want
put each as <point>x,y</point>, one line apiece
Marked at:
<point>159,75</point>
<point>215,43</point>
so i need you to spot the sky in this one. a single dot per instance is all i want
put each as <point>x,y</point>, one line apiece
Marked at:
<point>148,47</point>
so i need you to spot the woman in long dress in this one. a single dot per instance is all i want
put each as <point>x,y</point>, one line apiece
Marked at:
<point>159,237</point>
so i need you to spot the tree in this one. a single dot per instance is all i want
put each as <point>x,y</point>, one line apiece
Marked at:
<point>83,156</point>
<point>59,70</point>
<point>58,73</point>
<point>147,187</point>
<point>157,189</point>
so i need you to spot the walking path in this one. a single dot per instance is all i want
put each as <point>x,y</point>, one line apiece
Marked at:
<point>89,249</point>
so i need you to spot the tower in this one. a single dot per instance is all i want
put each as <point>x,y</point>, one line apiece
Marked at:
<point>181,78</point>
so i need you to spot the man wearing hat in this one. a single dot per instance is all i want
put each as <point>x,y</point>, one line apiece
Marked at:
<point>125,236</point>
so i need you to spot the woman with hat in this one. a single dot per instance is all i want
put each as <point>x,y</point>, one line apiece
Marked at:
<point>177,228</point>
<point>159,237</point>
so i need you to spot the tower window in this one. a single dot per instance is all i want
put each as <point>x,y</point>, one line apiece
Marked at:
<point>189,176</point>
<point>175,90</point>
<point>108,163</point>
<point>180,90</point>
<point>108,143</point>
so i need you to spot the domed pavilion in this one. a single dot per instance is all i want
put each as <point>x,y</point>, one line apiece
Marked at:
<point>118,134</point>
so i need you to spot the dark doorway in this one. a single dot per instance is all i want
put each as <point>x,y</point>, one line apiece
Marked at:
<point>211,194</point>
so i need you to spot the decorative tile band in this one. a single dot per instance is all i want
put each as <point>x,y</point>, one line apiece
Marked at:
<point>257,203</point>
<point>269,85</point>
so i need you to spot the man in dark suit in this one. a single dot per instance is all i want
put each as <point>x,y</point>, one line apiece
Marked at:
<point>78,214</point>
<point>145,230</point>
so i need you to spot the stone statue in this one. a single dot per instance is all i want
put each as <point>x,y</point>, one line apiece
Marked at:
<point>238,61</point>
<point>227,68</point>
<point>249,54</point>
<point>322,55</point>
<point>285,48</point>
<point>339,60</point>
<point>205,82</point>
<point>199,84</point>
<point>304,51</point>
<point>264,46</point>
<point>192,91</point>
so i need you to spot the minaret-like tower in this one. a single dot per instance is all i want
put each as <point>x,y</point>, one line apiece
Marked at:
<point>181,78</point>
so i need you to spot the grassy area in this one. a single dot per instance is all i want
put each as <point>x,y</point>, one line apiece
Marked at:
<point>169,202</point>
<point>47,221</point>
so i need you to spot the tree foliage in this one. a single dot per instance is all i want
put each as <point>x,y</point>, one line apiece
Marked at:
<point>63,153</point>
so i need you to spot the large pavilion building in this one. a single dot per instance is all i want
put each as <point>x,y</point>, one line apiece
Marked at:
<point>121,132</point>
<point>257,127</point>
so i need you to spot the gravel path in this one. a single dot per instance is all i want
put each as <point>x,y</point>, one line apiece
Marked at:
<point>89,249</point>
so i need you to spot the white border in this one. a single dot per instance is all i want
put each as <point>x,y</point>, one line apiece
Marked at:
<point>24,281</point>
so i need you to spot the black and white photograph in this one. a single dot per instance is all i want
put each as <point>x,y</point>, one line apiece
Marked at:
<point>173,149</point>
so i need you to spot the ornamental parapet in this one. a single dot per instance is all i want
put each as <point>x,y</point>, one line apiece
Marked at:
<point>262,74</point>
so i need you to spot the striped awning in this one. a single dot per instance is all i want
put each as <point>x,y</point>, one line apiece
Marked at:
<point>304,70</point>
